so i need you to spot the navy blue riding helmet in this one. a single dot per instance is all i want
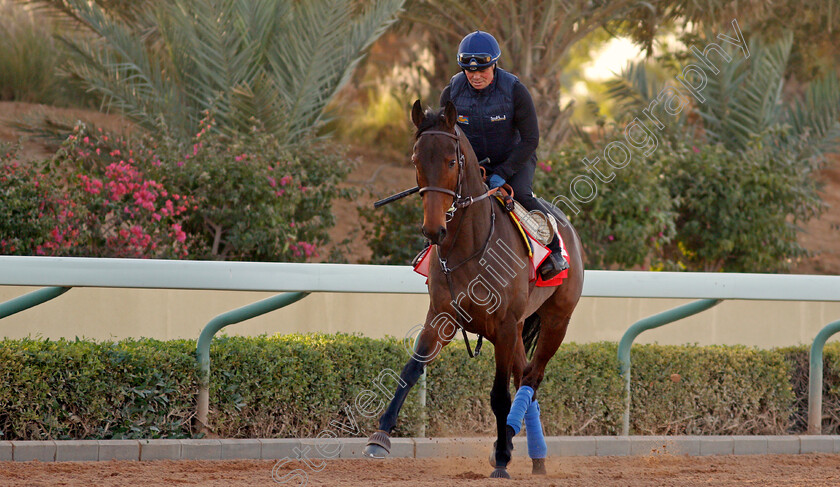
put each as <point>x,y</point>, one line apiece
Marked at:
<point>478,51</point>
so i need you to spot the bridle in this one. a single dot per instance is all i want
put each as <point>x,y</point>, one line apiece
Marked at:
<point>458,200</point>
<point>457,203</point>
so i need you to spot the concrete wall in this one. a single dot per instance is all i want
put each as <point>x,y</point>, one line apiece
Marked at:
<point>165,314</point>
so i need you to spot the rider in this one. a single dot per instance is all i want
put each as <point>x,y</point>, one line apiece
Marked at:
<point>497,114</point>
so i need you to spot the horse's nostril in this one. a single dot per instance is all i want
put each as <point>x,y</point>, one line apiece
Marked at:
<point>434,237</point>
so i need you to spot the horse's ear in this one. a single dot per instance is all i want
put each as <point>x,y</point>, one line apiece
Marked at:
<point>417,114</point>
<point>450,114</point>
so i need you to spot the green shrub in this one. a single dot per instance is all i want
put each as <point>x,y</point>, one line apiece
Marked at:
<point>581,393</point>
<point>738,212</point>
<point>710,390</point>
<point>799,358</point>
<point>740,166</point>
<point>242,198</point>
<point>690,205</point>
<point>300,385</point>
<point>80,389</point>
<point>629,218</point>
<point>295,385</point>
<point>33,216</point>
<point>258,200</point>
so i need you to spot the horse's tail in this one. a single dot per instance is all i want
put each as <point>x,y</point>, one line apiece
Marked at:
<point>530,333</point>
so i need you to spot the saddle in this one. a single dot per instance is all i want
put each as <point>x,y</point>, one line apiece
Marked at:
<point>529,225</point>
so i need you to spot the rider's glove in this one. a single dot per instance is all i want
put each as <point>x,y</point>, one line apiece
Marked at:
<point>496,181</point>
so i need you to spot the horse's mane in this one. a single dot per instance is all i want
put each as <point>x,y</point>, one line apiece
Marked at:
<point>431,119</point>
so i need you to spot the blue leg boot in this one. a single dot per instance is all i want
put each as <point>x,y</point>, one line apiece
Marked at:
<point>537,448</point>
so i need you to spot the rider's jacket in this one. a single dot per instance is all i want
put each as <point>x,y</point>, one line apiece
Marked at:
<point>487,116</point>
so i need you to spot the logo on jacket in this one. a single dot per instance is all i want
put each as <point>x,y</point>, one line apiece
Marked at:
<point>498,118</point>
<point>463,119</point>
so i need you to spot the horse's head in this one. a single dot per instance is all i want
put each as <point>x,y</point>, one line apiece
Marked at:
<point>439,164</point>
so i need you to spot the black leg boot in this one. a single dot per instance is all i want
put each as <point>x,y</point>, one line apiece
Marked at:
<point>555,263</point>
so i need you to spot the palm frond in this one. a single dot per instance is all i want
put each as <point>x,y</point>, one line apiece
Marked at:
<point>744,97</point>
<point>118,66</point>
<point>634,88</point>
<point>274,63</point>
<point>817,116</point>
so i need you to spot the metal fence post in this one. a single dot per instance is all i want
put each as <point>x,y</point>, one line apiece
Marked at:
<point>29,300</point>
<point>815,378</point>
<point>202,349</point>
<point>645,324</point>
<point>421,396</point>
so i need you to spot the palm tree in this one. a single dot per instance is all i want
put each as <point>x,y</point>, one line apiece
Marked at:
<point>536,36</point>
<point>745,99</point>
<point>272,63</point>
<point>741,198</point>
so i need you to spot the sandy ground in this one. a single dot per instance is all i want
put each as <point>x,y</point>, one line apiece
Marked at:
<point>822,235</point>
<point>35,149</point>
<point>374,176</point>
<point>654,470</point>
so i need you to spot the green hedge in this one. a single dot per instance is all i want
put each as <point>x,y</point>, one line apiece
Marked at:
<point>80,389</point>
<point>295,385</point>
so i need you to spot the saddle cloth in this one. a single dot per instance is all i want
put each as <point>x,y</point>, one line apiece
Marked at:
<point>536,250</point>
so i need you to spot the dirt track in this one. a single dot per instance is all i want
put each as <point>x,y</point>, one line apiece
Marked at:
<point>654,470</point>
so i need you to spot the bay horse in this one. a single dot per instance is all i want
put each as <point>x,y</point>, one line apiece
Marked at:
<point>479,281</point>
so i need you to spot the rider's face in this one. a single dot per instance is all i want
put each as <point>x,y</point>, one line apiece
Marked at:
<point>480,79</point>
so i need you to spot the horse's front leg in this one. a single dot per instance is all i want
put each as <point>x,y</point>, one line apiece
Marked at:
<point>435,335</point>
<point>500,401</point>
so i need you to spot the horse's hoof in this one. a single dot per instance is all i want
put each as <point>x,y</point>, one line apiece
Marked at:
<point>500,473</point>
<point>538,467</point>
<point>493,452</point>
<point>375,451</point>
<point>378,445</point>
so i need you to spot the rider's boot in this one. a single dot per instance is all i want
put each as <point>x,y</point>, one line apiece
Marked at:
<point>555,263</point>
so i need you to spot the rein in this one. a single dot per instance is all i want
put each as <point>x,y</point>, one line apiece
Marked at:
<point>457,203</point>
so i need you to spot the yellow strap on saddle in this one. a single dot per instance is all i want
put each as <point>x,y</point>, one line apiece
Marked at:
<point>519,226</point>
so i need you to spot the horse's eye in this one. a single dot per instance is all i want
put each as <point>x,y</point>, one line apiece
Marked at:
<point>452,163</point>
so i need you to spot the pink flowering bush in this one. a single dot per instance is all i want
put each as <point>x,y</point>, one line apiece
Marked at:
<point>35,219</point>
<point>216,198</point>
<point>123,208</point>
<point>257,200</point>
<point>627,221</point>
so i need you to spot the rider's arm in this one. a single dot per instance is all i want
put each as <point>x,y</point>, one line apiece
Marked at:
<point>525,120</point>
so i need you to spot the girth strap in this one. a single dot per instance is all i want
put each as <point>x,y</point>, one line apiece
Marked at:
<point>477,344</point>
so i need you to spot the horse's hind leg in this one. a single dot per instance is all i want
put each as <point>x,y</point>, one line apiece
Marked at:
<point>547,344</point>
<point>537,449</point>
<point>525,405</point>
